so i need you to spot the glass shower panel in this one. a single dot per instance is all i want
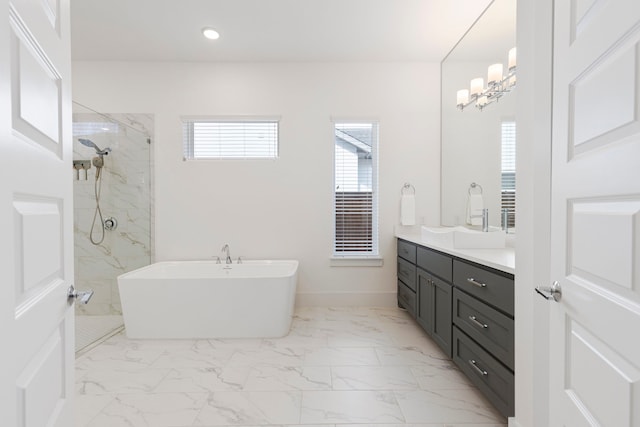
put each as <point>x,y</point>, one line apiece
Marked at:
<point>112,208</point>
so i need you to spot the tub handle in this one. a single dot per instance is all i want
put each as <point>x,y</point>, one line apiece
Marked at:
<point>218,261</point>
<point>239,260</point>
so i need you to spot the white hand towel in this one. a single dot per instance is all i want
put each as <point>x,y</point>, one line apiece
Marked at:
<point>408,209</point>
<point>475,204</point>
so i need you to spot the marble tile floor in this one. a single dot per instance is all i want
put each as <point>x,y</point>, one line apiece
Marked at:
<point>337,367</point>
<point>92,329</point>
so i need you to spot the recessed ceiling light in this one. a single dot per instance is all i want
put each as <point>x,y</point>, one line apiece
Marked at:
<point>210,33</point>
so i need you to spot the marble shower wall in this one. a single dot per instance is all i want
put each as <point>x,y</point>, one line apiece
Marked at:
<point>125,194</point>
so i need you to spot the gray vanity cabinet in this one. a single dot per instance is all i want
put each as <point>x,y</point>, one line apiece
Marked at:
<point>483,331</point>
<point>467,309</point>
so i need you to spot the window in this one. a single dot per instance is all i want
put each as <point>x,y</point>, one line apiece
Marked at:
<point>355,189</point>
<point>230,139</point>
<point>508,170</point>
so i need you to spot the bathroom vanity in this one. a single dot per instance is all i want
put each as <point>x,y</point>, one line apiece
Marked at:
<point>464,300</point>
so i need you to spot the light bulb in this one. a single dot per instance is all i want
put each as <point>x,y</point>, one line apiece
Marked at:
<point>477,85</point>
<point>494,74</point>
<point>462,96</point>
<point>210,33</point>
<point>512,58</point>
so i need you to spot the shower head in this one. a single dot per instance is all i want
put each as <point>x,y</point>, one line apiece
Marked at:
<point>89,143</point>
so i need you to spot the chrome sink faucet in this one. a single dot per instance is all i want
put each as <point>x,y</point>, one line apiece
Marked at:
<point>505,220</point>
<point>225,248</point>
<point>485,220</point>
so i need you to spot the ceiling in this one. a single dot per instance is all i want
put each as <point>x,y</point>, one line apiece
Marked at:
<point>269,30</point>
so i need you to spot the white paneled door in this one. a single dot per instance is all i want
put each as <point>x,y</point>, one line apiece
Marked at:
<point>36,216</point>
<point>595,232</point>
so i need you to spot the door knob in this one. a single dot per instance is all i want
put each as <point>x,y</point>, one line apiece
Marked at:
<point>81,296</point>
<point>553,292</point>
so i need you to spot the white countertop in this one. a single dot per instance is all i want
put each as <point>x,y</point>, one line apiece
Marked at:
<point>503,259</point>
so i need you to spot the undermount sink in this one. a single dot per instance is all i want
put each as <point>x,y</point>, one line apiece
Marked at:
<point>460,237</point>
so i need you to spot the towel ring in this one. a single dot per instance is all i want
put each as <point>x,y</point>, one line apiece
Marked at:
<point>474,186</point>
<point>408,186</point>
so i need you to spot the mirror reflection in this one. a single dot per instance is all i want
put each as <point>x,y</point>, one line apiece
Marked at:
<point>478,123</point>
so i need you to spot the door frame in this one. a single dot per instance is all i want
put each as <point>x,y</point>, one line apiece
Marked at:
<point>533,209</point>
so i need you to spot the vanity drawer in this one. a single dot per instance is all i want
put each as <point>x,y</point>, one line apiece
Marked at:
<point>494,380</point>
<point>435,263</point>
<point>407,298</point>
<point>488,286</point>
<point>491,329</point>
<point>407,251</point>
<point>407,273</point>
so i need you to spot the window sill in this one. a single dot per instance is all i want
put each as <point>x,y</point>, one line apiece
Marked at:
<point>356,262</point>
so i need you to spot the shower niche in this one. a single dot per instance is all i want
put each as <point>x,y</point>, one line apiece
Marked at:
<point>112,204</point>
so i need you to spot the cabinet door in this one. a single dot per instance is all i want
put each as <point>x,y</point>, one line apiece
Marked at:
<point>424,314</point>
<point>441,324</point>
<point>434,309</point>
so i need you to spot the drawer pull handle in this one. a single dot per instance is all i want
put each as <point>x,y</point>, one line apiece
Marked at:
<point>475,366</point>
<point>476,283</point>
<point>475,321</point>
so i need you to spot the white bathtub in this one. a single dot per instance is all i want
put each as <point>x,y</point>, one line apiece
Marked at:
<point>202,299</point>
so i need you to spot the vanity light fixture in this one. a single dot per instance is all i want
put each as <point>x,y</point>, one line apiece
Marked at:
<point>497,85</point>
<point>210,33</point>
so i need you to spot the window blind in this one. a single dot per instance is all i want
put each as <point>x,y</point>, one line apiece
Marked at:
<point>508,170</point>
<point>230,139</point>
<point>355,185</point>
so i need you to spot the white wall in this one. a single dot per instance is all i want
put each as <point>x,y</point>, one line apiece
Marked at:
<point>282,208</point>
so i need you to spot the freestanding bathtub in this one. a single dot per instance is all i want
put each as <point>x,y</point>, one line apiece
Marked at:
<point>203,299</point>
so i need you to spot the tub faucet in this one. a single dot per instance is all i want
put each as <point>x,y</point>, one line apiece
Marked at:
<point>225,248</point>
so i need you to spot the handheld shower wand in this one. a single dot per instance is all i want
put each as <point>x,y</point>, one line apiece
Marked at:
<point>98,162</point>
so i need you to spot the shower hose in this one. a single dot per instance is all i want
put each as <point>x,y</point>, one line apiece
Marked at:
<point>97,187</point>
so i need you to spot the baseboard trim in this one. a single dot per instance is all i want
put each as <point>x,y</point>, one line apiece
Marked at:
<point>347,299</point>
<point>514,423</point>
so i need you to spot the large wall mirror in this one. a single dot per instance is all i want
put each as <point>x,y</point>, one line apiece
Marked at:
<point>473,138</point>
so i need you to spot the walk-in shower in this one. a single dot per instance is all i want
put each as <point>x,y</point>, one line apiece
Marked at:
<point>112,211</point>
